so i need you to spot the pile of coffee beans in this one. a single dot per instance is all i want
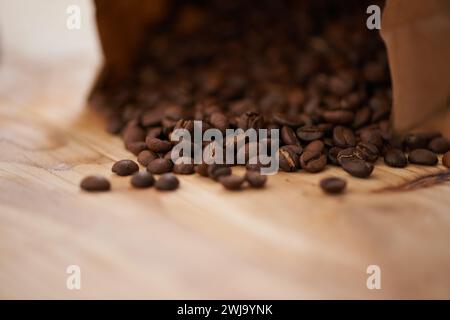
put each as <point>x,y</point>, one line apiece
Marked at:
<point>320,77</point>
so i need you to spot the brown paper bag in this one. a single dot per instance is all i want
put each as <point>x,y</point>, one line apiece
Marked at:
<point>416,32</point>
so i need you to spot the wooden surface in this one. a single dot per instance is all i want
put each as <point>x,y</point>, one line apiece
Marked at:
<point>287,241</point>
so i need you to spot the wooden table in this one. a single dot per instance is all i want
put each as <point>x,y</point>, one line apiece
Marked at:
<point>287,241</point>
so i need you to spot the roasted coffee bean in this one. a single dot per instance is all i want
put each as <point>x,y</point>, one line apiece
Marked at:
<point>446,159</point>
<point>288,159</point>
<point>232,182</point>
<point>145,157</point>
<point>367,151</point>
<point>184,165</point>
<point>313,162</point>
<point>343,137</point>
<point>167,182</point>
<point>154,132</point>
<point>333,155</point>
<point>420,140</point>
<point>339,117</point>
<point>439,145</point>
<point>125,167</point>
<point>347,154</point>
<point>423,157</point>
<point>293,121</point>
<point>160,166</point>
<point>395,158</point>
<point>142,180</point>
<point>255,179</point>
<point>95,183</point>
<point>309,133</point>
<point>362,117</point>
<point>250,120</point>
<point>372,136</point>
<point>217,170</point>
<point>133,133</point>
<point>333,185</point>
<point>358,168</point>
<point>288,136</point>
<point>219,121</point>
<point>152,117</point>
<point>202,169</point>
<point>295,148</point>
<point>158,145</point>
<point>136,147</point>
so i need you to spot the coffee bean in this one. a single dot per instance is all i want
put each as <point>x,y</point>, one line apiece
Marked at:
<point>423,157</point>
<point>288,136</point>
<point>293,121</point>
<point>343,137</point>
<point>232,182</point>
<point>333,185</point>
<point>313,162</point>
<point>133,133</point>
<point>362,117</point>
<point>158,145</point>
<point>420,140</point>
<point>125,167</point>
<point>341,84</point>
<point>333,155</point>
<point>251,120</point>
<point>152,117</point>
<point>160,166</point>
<point>145,157</point>
<point>136,147</point>
<point>294,148</point>
<point>202,169</point>
<point>95,183</point>
<point>184,165</point>
<point>142,180</point>
<point>347,154</point>
<point>339,117</point>
<point>373,137</point>
<point>358,168</point>
<point>367,151</point>
<point>219,121</point>
<point>167,182</point>
<point>395,158</point>
<point>154,132</point>
<point>255,179</point>
<point>309,133</point>
<point>446,159</point>
<point>288,159</point>
<point>217,170</point>
<point>439,145</point>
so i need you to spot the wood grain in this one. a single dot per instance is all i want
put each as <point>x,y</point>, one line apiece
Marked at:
<point>287,241</point>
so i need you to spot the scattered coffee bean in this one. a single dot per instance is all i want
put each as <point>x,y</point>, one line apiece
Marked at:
<point>232,182</point>
<point>158,145</point>
<point>125,167</point>
<point>439,145</point>
<point>446,159</point>
<point>160,166</point>
<point>95,183</point>
<point>145,157</point>
<point>202,169</point>
<point>288,159</point>
<point>395,158</point>
<point>142,180</point>
<point>333,185</point>
<point>218,170</point>
<point>184,165</point>
<point>423,157</point>
<point>358,168</point>
<point>167,182</point>
<point>255,179</point>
